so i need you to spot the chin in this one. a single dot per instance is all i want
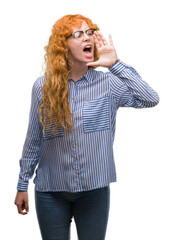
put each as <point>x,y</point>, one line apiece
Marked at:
<point>89,60</point>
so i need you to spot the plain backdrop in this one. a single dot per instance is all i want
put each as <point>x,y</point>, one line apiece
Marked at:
<point>141,204</point>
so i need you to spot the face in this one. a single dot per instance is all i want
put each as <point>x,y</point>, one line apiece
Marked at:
<point>79,51</point>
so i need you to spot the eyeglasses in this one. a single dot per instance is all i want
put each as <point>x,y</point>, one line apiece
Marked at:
<point>78,35</point>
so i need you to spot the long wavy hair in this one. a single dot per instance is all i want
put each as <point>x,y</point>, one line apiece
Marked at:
<point>55,108</point>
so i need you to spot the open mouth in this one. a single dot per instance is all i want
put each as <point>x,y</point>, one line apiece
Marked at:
<point>87,49</point>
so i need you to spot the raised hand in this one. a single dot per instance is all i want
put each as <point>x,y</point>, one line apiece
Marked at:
<point>107,52</point>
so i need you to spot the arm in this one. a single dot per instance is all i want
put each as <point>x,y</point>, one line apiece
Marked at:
<point>129,89</point>
<point>126,85</point>
<point>30,154</point>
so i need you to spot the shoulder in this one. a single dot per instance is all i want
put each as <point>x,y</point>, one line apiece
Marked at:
<point>39,82</point>
<point>98,74</point>
<point>97,71</point>
<point>107,75</point>
<point>37,86</point>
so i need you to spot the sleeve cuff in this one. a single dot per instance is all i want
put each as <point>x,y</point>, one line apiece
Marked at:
<point>22,186</point>
<point>117,67</point>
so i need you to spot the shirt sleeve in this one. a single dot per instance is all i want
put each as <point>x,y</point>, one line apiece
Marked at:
<point>30,153</point>
<point>128,88</point>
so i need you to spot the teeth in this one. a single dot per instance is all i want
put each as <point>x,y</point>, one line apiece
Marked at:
<point>87,47</point>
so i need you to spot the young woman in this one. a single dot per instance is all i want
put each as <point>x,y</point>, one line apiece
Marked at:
<point>72,127</point>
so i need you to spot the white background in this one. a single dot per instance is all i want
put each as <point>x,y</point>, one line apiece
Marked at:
<point>142,201</point>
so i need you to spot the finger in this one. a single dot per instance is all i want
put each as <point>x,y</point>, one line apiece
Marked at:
<point>20,209</point>
<point>96,40</point>
<point>110,40</point>
<point>27,206</point>
<point>100,40</point>
<point>93,64</point>
<point>103,40</point>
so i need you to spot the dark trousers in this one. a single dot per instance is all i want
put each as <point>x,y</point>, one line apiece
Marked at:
<point>90,210</point>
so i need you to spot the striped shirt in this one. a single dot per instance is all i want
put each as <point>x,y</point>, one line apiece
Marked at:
<point>83,160</point>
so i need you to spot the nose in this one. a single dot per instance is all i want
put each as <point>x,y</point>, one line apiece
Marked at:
<point>86,37</point>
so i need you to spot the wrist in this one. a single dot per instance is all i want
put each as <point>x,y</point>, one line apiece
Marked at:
<point>114,63</point>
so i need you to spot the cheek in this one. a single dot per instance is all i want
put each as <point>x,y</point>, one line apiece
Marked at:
<point>74,49</point>
<point>75,52</point>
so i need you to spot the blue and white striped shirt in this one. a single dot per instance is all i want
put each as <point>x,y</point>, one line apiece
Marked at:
<point>84,160</point>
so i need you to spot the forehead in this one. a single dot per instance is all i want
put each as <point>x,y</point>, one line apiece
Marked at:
<point>84,26</point>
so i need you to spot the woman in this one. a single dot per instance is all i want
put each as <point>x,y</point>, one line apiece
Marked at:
<point>72,127</point>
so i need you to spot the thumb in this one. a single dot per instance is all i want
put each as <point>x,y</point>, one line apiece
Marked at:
<point>97,63</point>
<point>26,206</point>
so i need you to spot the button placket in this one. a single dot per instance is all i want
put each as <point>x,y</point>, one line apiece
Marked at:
<point>74,140</point>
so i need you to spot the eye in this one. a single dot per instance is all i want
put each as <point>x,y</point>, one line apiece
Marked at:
<point>78,34</point>
<point>90,31</point>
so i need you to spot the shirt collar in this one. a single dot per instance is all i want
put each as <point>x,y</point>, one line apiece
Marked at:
<point>89,75</point>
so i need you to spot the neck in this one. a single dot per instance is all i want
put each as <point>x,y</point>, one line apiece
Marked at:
<point>77,70</point>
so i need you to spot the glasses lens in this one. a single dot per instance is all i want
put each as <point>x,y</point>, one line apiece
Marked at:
<point>78,34</point>
<point>90,31</point>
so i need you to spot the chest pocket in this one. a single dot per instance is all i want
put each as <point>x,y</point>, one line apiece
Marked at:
<point>96,114</point>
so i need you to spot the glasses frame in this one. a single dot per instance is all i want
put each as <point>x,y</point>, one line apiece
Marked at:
<point>73,34</point>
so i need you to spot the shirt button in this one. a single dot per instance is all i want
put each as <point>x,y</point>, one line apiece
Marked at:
<point>73,129</point>
<point>75,143</point>
<point>72,98</point>
<point>78,173</point>
<point>72,113</point>
<point>74,83</point>
<point>76,158</point>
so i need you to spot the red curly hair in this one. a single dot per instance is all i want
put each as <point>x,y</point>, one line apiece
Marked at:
<point>55,107</point>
